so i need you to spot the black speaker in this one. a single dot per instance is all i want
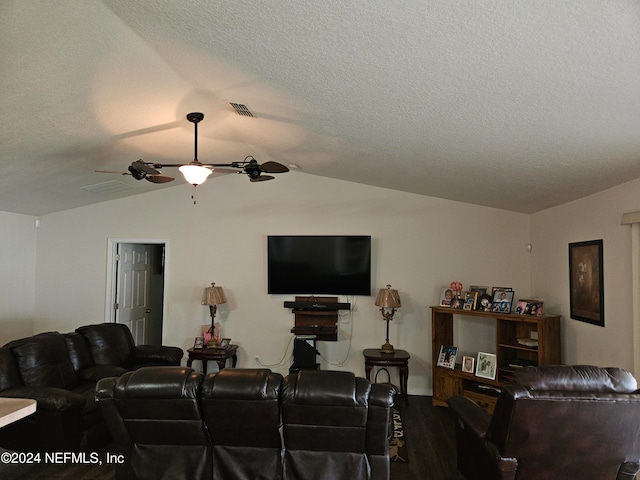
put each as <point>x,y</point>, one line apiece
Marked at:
<point>304,351</point>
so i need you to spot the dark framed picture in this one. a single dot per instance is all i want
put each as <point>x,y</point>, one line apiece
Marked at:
<point>480,289</point>
<point>484,303</point>
<point>586,282</point>
<point>502,301</point>
<point>224,343</point>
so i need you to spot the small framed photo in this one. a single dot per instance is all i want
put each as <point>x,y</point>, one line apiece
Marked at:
<point>502,300</point>
<point>447,297</point>
<point>470,299</point>
<point>198,342</point>
<point>486,365</point>
<point>468,363</point>
<point>447,356</point>
<point>224,343</point>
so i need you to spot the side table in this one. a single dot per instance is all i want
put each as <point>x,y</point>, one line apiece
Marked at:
<point>399,358</point>
<point>219,355</point>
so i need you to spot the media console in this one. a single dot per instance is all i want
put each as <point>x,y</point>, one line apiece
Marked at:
<point>317,316</point>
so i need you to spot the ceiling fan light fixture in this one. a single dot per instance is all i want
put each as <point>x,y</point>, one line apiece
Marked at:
<point>195,173</point>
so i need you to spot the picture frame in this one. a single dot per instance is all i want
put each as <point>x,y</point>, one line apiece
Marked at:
<point>447,356</point>
<point>446,297</point>
<point>586,282</point>
<point>468,364</point>
<point>224,343</point>
<point>483,304</point>
<point>502,301</point>
<point>198,342</point>
<point>529,307</point>
<point>470,299</point>
<point>482,290</point>
<point>486,365</point>
<point>506,289</point>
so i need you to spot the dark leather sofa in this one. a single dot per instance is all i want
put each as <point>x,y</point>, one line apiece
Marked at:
<point>60,372</point>
<point>553,422</point>
<point>248,424</point>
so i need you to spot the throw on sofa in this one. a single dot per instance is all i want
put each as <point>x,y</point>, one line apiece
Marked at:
<point>60,372</point>
<point>239,424</point>
<point>553,422</point>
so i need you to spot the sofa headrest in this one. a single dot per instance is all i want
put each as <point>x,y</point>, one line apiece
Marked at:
<point>159,383</point>
<point>9,375</point>
<point>43,360</point>
<point>576,378</point>
<point>242,384</point>
<point>110,343</point>
<point>322,387</point>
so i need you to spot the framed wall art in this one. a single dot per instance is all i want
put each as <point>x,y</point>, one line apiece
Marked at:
<point>586,282</point>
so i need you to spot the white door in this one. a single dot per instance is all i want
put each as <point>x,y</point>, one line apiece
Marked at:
<point>134,267</point>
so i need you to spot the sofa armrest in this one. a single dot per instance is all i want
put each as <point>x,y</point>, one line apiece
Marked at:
<point>469,415</point>
<point>48,398</point>
<point>157,355</point>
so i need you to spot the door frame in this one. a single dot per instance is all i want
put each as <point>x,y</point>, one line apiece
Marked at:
<point>112,277</point>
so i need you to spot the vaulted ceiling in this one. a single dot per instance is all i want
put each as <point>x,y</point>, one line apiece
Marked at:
<point>514,104</point>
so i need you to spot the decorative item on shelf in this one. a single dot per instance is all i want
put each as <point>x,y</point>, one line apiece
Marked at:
<point>529,307</point>
<point>388,298</point>
<point>198,342</point>
<point>470,299</point>
<point>456,287</point>
<point>213,296</point>
<point>447,356</point>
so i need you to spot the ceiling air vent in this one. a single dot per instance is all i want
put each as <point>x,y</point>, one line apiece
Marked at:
<point>106,188</point>
<point>241,109</point>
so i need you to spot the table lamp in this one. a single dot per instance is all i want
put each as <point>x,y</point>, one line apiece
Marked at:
<point>387,298</point>
<point>213,296</point>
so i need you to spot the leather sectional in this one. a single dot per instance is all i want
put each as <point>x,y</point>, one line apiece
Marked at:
<point>60,372</point>
<point>248,424</point>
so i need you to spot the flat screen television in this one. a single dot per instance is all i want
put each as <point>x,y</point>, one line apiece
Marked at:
<point>320,264</point>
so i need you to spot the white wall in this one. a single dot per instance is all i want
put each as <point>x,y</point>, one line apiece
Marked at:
<point>420,244</point>
<point>592,218</point>
<point>18,274</point>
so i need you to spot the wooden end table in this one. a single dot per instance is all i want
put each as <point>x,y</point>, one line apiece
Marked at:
<point>219,355</point>
<point>399,358</point>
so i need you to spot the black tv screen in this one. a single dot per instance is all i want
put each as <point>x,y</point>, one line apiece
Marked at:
<point>322,264</point>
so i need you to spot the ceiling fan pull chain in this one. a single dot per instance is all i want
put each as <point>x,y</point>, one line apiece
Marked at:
<point>193,194</point>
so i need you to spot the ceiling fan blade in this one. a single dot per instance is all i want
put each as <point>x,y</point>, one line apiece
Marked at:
<point>111,171</point>
<point>226,170</point>
<point>159,178</point>
<point>261,178</point>
<point>143,167</point>
<point>273,167</point>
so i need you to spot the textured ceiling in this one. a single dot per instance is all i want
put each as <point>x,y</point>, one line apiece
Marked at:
<point>513,104</point>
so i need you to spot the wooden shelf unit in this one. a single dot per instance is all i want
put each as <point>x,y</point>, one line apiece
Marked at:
<point>509,328</point>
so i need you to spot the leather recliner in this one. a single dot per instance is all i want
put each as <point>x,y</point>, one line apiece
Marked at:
<point>553,422</point>
<point>154,416</point>
<point>335,425</point>
<point>241,408</point>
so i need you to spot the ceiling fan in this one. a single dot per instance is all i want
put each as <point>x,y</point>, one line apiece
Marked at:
<point>195,172</point>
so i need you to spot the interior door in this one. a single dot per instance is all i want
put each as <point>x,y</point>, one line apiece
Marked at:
<point>134,268</point>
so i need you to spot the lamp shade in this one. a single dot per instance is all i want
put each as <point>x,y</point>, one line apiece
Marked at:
<point>213,296</point>
<point>388,298</point>
<point>195,174</point>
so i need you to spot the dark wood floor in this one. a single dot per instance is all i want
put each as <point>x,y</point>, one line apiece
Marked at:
<point>429,433</point>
